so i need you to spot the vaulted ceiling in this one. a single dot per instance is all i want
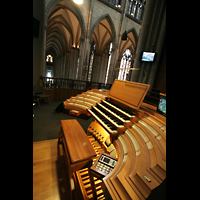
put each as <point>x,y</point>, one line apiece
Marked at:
<point>64,32</point>
<point>102,35</point>
<point>63,29</point>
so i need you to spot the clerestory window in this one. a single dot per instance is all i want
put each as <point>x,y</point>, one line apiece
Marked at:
<point>136,8</point>
<point>125,65</point>
<point>49,58</point>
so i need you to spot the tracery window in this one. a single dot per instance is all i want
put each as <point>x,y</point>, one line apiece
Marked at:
<point>116,3</point>
<point>49,58</point>
<point>91,63</point>
<point>136,8</point>
<point>125,65</point>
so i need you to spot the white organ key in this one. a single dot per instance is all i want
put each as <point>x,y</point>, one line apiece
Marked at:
<point>126,114</point>
<point>118,117</point>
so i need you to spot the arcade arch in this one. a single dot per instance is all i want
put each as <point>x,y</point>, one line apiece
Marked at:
<point>65,26</point>
<point>102,35</point>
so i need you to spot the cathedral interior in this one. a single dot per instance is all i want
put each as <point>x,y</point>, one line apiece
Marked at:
<point>99,99</point>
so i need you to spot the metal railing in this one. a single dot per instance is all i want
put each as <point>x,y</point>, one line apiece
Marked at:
<point>50,83</point>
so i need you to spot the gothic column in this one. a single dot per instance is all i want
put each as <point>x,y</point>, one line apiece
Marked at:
<point>61,66</point>
<point>115,54</point>
<point>116,47</point>
<point>150,39</point>
<point>56,68</point>
<point>103,68</point>
<point>81,59</point>
<point>73,63</point>
<point>67,64</point>
<point>159,46</point>
<point>96,68</point>
<point>85,46</point>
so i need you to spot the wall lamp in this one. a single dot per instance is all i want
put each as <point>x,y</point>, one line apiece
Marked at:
<point>124,36</point>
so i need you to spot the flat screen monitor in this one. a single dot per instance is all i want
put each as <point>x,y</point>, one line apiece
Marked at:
<point>148,56</point>
<point>162,106</point>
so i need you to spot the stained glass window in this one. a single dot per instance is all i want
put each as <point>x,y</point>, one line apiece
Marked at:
<point>136,8</point>
<point>125,65</point>
<point>91,63</point>
<point>116,3</point>
<point>49,58</point>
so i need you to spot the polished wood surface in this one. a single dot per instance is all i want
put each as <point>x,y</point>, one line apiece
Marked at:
<point>78,151</point>
<point>136,135</point>
<point>77,142</point>
<point>84,101</point>
<point>129,93</point>
<point>141,145</point>
<point>83,175</point>
<point>141,163</point>
<point>50,178</point>
<point>141,152</point>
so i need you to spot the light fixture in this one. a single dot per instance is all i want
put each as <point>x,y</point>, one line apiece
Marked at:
<point>124,36</point>
<point>78,1</point>
<point>138,69</point>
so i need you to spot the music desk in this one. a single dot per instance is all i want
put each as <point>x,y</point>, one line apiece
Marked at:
<point>78,151</point>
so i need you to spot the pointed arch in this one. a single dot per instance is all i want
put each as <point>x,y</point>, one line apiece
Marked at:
<point>134,33</point>
<point>70,5</point>
<point>130,43</point>
<point>111,24</point>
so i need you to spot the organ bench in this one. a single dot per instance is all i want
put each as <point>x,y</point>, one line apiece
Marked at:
<point>77,148</point>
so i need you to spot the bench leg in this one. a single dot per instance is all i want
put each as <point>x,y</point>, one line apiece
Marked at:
<point>60,136</point>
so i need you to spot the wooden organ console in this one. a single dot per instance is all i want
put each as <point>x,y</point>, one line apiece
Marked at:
<point>131,137</point>
<point>84,101</point>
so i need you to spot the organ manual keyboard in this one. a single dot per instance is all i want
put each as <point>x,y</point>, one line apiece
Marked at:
<point>84,101</point>
<point>119,110</point>
<point>131,135</point>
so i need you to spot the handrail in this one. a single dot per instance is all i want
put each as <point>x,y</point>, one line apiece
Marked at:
<point>53,82</point>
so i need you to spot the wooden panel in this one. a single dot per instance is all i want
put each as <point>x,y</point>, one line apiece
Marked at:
<point>130,93</point>
<point>60,93</point>
<point>77,141</point>
<point>51,93</point>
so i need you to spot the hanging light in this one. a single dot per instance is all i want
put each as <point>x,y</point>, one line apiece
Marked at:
<point>124,36</point>
<point>78,1</point>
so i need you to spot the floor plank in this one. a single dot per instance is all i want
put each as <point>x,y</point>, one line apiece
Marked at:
<point>50,179</point>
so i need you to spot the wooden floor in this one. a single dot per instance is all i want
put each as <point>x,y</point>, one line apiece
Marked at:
<point>50,180</point>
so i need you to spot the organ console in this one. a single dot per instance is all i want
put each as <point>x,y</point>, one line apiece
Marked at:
<point>84,101</point>
<point>125,134</point>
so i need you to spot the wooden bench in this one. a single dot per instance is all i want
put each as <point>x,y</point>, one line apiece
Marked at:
<point>78,151</point>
